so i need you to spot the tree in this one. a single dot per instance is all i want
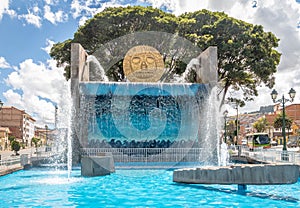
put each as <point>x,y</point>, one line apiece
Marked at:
<point>111,24</point>
<point>231,129</point>
<point>261,124</point>
<point>246,53</point>
<point>15,146</point>
<point>36,142</point>
<point>278,122</point>
<point>11,138</point>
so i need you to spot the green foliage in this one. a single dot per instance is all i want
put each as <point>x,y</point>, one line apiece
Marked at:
<point>246,54</point>
<point>11,138</point>
<point>116,22</point>
<point>231,128</point>
<point>261,124</point>
<point>61,52</point>
<point>278,122</point>
<point>15,146</point>
<point>110,24</point>
<point>36,141</point>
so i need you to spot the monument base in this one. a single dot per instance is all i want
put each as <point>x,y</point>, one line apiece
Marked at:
<point>100,165</point>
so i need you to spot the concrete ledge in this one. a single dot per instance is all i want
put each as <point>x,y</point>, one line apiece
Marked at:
<point>247,174</point>
<point>97,165</point>
<point>10,169</point>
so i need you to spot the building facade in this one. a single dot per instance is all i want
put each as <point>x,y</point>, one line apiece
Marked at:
<point>247,120</point>
<point>20,124</point>
<point>4,141</point>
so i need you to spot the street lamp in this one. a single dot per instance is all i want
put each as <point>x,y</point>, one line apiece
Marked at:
<point>225,124</point>
<point>283,100</point>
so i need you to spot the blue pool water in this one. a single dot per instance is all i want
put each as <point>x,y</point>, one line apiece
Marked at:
<point>133,188</point>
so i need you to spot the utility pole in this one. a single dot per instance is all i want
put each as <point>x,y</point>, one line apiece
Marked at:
<point>55,117</point>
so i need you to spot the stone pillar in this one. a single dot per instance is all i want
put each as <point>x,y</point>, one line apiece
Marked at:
<point>78,73</point>
<point>208,70</point>
<point>24,159</point>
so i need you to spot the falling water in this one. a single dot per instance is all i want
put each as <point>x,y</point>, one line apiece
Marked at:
<point>96,71</point>
<point>224,155</point>
<point>209,125</point>
<point>210,129</point>
<point>193,65</point>
<point>64,126</point>
<point>69,139</point>
<point>211,132</point>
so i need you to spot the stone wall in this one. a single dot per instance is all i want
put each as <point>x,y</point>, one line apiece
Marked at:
<point>247,174</point>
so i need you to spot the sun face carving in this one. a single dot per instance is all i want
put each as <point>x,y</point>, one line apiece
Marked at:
<point>143,64</point>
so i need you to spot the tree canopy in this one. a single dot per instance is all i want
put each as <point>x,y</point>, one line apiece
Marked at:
<point>246,54</point>
<point>279,124</point>
<point>261,124</point>
<point>247,57</point>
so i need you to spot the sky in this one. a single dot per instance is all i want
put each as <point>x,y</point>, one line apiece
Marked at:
<point>31,81</point>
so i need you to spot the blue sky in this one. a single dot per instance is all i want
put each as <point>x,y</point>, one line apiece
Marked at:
<point>31,81</point>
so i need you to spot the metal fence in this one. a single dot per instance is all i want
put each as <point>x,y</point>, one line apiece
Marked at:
<point>273,155</point>
<point>147,154</point>
<point>9,162</point>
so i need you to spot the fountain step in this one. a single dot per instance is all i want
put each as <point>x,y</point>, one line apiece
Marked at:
<point>247,174</point>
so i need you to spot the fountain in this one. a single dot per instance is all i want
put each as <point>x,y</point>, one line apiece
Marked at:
<point>150,110</point>
<point>148,118</point>
<point>143,122</point>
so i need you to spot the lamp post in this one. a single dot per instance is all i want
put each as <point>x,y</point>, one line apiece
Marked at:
<point>292,94</point>
<point>225,124</point>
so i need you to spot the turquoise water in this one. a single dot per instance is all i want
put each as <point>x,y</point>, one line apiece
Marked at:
<point>133,188</point>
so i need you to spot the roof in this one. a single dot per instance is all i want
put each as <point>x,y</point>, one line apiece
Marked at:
<point>23,111</point>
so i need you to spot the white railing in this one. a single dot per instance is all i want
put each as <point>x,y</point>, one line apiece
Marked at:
<point>9,162</point>
<point>273,155</point>
<point>147,154</point>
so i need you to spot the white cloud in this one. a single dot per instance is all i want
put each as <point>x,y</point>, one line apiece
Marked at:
<point>11,13</point>
<point>36,9</point>
<point>10,95</point>
<point>88,8</point>
<point>4,4</point>
<point>4,9</point>
<point>170,4</point>
<point>82,20</point>
<point>58,16</point>
<point>49,44</point>
<point>31,19</point>
<point>49,2</point>
<point>53,2</point>
<point>37,88</point>
<point>3,63</point>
